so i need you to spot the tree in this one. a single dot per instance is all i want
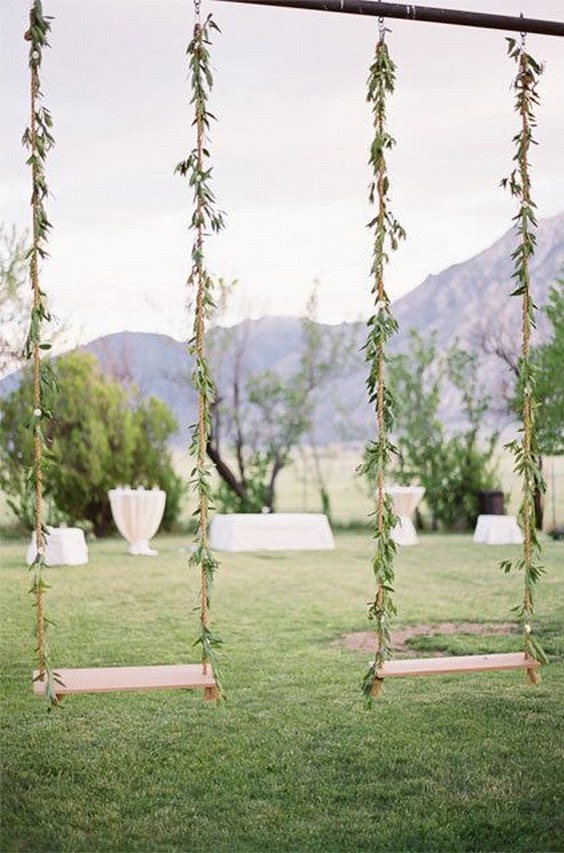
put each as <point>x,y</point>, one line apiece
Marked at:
<point>318,363</point>
<point>417,379</point>
<point>99,437</point>
<point>468,455</point>
<point>151,464</point>
<point>452,468</point>
<point>14,301</point>
<point>260,416</point>
<point>549,361</point>
<point>265,417</point>
<point>277,419</point>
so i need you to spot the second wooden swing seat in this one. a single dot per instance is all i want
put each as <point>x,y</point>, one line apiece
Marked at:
<point>457,664</point>
<point>192,676</point>
<point>121,678</point>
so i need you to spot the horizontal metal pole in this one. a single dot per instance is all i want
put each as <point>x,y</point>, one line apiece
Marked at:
<point>410,12</point>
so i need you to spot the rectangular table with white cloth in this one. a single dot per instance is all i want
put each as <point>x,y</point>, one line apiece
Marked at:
<point>276,531</point>
<point>497,530</point>
<point>64,546</point>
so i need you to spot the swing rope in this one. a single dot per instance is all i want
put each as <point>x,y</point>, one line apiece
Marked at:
<point>39,140</point>
<point>526,309</point>
<point>200,355</point>
<point>37,443</point>
<point>526,452</point>
<point>382,326</point>
<point>204,218</point>
<point>101,679</point>
<point>380,300</point>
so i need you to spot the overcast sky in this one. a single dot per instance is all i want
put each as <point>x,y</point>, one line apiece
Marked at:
<point>289,151</point>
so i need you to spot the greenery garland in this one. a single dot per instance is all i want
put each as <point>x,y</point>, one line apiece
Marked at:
<point>525,449</point>
<point>39,140</point>
<point>205,217</point>
<point>381,327</point>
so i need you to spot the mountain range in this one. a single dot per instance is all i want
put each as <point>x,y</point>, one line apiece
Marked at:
<point>468,302</point>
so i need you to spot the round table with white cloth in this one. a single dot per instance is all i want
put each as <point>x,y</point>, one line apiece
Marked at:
<point>406,499</point>
<point>138,514</point>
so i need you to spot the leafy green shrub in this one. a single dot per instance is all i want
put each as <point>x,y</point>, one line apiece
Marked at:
<point>100,436</point>
<point>257,488</point>
<point>468,470</point>
<point>452,469</point>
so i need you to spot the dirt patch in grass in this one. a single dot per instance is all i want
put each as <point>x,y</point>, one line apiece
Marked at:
<point>365,641</point>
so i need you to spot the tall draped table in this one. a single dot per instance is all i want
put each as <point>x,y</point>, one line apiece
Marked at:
<point>406,499</point>
<point>138,514</point>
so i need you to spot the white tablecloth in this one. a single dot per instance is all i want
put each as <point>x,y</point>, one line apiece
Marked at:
<point>406,499</point>
<point>497,530</point>
<point>64,546</point>
<point>277,531</point>
<point>138,514</point>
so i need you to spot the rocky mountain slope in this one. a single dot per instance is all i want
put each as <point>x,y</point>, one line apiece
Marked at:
<point>468,302</point>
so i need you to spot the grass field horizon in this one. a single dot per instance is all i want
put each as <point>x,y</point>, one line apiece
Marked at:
<point>350,500</point>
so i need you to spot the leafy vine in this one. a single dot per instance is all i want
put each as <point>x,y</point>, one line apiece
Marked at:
<point>525,449</point>
<point>39,140</point>
<point>381,327</point>
<point>205,218</point>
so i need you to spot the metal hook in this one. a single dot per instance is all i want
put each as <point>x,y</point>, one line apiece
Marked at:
<point>381,25</point>
<point>523,36</point>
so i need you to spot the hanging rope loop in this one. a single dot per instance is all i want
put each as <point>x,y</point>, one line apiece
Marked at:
<point>381,27</point>
<point>381,327</point>
<point>38,140</point>
<point>205,218</point>
<point>522,37</point>
<point>526,450</point>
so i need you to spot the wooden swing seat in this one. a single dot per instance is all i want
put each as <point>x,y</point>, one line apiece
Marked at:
<point>457,664</point>
<point>118,678</point>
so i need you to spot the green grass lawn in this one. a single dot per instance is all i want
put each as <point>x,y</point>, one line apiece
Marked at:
<point>292,761</point>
